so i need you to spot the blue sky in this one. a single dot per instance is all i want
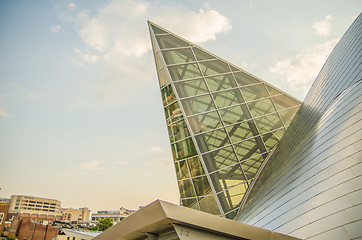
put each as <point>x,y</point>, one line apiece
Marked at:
<point>81,116</point>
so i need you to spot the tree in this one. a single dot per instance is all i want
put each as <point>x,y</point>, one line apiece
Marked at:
<point>103,224</point>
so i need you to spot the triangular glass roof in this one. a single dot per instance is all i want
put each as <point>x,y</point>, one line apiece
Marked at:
<point>223,122</point>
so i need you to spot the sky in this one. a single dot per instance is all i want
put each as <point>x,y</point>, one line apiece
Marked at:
<point>81,116</point>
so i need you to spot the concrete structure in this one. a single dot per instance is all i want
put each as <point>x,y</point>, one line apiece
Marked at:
<point>31,230</point>
<point>166,221</point>
<point>239,152</point>
<point>77,234</point>
<point>4,208</point>
<point>115,215</point>
<point>34,205</point>
<point>72,215</point>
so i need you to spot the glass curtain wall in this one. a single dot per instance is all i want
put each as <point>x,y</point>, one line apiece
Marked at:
<point>222,122</point>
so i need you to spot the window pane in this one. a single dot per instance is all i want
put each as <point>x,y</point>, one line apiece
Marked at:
<point>173,113</point>
<point>183,149</point>
<point>195,167</point>
<point>261,107</point>
<point>159,62</point>
<point>282,102</point>
<point>178,131</point>
<point>251,166</point>
<point>156,30</point>
<point>211,140</point>
<point>198,105</point>
<point>253,92</point>
<point>163,77</point>
<point>201,55</point>
<point>234,114</point>
<point>288,115</point>
<point>272,90</point>
<point>240,131</point>
<point>244,79</point>
<point>184,71</point>
<point>220,158</point>
<point>268,123</point>
<point>182,171</point>
<point>190,203</point>
<point>220,82</point>
<point>186,189</point>
<point>168,95</point>
<point>208,204</point>
<point>232,198</point>
<point>228,177</point>
<point>182,55</point>
<point>248,149</point>
<point>214,67</point>
<point>204,122</point>
<point>169,41</point>
<point>227,98</point>
<point>191,88</point>
<point>202,186</point>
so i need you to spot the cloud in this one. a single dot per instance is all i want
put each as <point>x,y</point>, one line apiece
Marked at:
<point>322,28</point>
<point>121,162</point>
<point>94,165</point>
<point>155,149</point>
<point>55,28</point>
<point>252,4</point>
<point>159,162</point>
<point>2,111</point>
<point>72,6</point>
<point>117,40</point>
<point>300,71</point>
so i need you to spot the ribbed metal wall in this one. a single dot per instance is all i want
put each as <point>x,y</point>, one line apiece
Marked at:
<point>312,186</point>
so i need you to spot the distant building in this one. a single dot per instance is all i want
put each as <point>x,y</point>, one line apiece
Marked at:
<point>116,215</point>
<point>72,215</point>
<point>34,205</point>
<point>4,207</point>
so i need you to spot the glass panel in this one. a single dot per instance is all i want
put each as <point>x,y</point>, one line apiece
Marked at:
<point>251,166</point>
<point>186,189</point>
<point>190,203</point>
<point>204,122</point>
<point>182,171</point>
<point>234,114</point>
<point>232,214</point>
<point>168,95</point>
<point>178,131</point>
<point>154,45</point>
<point>202,55</point>
<point>282,102</point>
<point>248,149</point>
<point>288,115</point>
<point>157,30</point>
<point>169,41</point>
<point>202,186</point>
<point>253,92</point>
<point>182,55</point>
<point>159,62</point>
<point>214,67</point>
<point>227,98</point>
<point>195,167</point>
<point>184,71</point>
<point>261,107</point>
<point>272,90</point>
<point>232,198</point>
<point>234,69</point>
<point>211,140</point>
<point>227,177</point>
<point>220,158</point>
<point>163,78</point>
<point>191,88</point>
<point>220,82</point>
<point>183,149</point>
<point>209,205</point>
<point>240,131</point>
<point>268,123</point>
<point>270,140</point>
<point>244,79</point>
<point>198,105</point>
<point>173,113</point>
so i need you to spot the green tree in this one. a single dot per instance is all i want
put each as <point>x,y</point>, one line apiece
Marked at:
<point>103,224</point>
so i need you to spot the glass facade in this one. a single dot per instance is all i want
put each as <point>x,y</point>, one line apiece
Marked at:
<point>222,122</point>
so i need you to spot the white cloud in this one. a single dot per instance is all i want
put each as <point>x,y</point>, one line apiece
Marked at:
<point>155,149</point>
<point>300,71</point>
<point>121,162</point>
<point>94,165</point>
<point>252,4</point>
<point>55,28</point>
<point>72,6</point>
<point>322,28</point>
<point>118,40</point>
<point>159,162</point>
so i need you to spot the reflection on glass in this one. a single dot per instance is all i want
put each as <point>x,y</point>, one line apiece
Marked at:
<point>157,30</point>
<point>182,55</point>
<point>198,105</point>
<point>227,98</point>
<point>248,149</point>
<point>168,95</point>
<point>183,149</point>
<point>214,67</point>
<point>178,131</point>
<point>240,131</point>
<point>227,177</point>
<point>191,88</point>
<point>261,107</point>
<point>219,158</point>
<point>272,90</point>
<point>254,92</point>
<point>191,203</point>
<point>163,77</point>
<point>169,41</point>
<point>268,123</point>
<point>184,71</point>
<point>208,204</point>
<point>204,122</point>
<point>195,167</point>
<point>234,114</point>
<point>201,55</point>
<point>220,82</point>
<point>244,79</point>
<point>211,140</point>
<point>288,115</point>
<point>232,198</point>
<point>159,62</point>
<point>173,113</point>
<point>202,186</point>
<point>182,171</point>
<point>281,102</point>
<point>186,189</point>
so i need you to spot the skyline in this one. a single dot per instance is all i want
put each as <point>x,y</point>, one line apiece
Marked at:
<point>75,128</point>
